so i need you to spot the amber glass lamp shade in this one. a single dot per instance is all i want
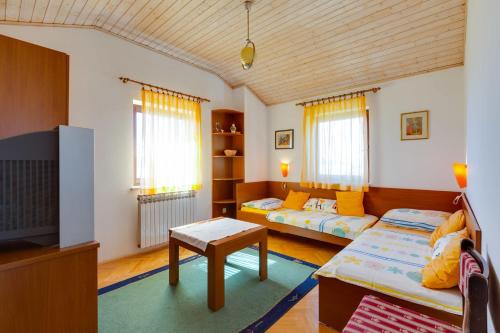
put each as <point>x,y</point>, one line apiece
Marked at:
<point>284,169</point>
<point>247,55</point>
<point>460,171</point>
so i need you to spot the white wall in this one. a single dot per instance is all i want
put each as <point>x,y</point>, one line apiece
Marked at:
<point>421,164</point>
<point>99,100</point>
<point>256,133</point>
<point>256,138</point>
<point>482,82</point>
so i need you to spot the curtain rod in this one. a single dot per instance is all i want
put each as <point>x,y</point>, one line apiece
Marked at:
<point>328,99</point>
<point>169,91</point>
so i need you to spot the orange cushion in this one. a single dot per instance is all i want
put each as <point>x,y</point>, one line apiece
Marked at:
<point>443,272</point>
<point>296,200</point>
<point>350,203</point>
<point>454,223</point>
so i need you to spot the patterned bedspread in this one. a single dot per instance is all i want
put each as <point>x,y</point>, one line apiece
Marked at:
<point>337,225</point>
<point>391,262</point>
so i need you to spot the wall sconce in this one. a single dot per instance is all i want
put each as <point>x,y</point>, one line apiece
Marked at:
<point>460,171</point>
<point>284,173</point>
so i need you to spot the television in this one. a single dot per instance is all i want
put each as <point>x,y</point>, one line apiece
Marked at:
<point>46,187</point>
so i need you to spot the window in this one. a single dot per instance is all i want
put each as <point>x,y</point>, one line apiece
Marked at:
<point>338,148</point>
<point>336,145</point>
<point>167,143</point>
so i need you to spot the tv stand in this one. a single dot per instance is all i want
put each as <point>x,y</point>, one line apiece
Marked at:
<point>49,289</point>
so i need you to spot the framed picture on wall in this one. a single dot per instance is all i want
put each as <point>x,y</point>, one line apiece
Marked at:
<point>415,125</point>
<point>283,139</point>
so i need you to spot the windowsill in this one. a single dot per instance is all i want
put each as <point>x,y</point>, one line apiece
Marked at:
<point>138,188</point>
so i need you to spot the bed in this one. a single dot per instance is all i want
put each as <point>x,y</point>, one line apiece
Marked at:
<point>376,202</point>
<point>390,262</point>
<point>386,262</point>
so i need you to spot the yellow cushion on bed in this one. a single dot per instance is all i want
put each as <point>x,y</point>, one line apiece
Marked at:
<point>296,200</point>
<point>443,272</point>
<point>350,203</point>
<point>454,223</point>
<point>254,210</point>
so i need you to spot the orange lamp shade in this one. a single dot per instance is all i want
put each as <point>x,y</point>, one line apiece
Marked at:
<point>460,171</point>
<point>284,169</point>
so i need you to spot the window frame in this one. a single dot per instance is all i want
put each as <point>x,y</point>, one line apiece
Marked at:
<point>137,108</point>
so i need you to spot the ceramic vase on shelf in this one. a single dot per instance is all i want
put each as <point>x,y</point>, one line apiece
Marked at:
<point>233,128</point>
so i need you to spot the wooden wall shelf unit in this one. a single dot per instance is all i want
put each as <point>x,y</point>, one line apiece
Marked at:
<point>227,171</point>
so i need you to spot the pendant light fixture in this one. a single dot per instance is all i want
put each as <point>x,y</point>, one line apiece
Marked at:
<point>247,54</point>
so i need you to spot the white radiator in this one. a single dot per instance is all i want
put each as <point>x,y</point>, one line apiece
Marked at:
<point>160,212</point>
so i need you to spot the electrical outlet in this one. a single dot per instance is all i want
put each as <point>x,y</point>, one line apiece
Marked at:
<point>224,210</point>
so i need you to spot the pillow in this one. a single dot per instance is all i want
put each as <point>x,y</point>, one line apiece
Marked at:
<point>296,200</point>
<point>443,271</point>
<point>454,223</point>
<point>321,205</point>
<point>427,220</point>
<point>350,203</point>
<point>265,204</point>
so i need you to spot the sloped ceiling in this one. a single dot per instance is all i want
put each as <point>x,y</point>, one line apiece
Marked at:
<point>304,48</point>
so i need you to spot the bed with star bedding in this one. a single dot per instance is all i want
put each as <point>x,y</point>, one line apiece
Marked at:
<point>341,226</point>
<point>390,262</point>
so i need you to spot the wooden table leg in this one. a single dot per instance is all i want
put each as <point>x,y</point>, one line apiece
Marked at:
<point>263,258</point>
<point>173,257</point>
<point>215,279</point>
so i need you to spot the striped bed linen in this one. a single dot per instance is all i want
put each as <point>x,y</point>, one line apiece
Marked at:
<point>426,220</point>
<point>388,226</point>
<point>264,204</point>
<point>341,226</point>
<point>375,315</point>
<point>255,210</point>
<point>390,262</point>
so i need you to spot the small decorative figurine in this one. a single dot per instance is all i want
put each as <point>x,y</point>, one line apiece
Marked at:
<point>233,128</point>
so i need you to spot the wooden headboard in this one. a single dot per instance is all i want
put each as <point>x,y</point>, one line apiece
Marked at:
<point>471,223</point>
<point>377,201</point>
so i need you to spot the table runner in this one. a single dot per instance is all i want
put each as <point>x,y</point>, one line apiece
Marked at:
<point>199,234</point>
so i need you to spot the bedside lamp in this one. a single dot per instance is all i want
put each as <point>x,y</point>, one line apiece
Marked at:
<point>460,171</point>
<point>284,173</point>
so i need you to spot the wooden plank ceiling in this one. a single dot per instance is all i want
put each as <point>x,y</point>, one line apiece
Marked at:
<point>304,48</point>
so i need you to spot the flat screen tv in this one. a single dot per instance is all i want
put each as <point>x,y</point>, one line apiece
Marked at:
<point>29,188</point>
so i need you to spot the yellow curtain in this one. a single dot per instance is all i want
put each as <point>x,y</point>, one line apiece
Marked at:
<point>170,157</point>
<point>335,152</point>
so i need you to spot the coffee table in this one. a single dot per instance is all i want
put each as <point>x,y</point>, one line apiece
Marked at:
<point>216,252</point>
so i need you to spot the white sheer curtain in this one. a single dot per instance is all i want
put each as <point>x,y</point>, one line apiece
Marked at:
<point>336,145</point>
<point>170,146</point>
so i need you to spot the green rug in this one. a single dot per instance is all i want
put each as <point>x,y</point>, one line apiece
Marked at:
<point>146,303</point>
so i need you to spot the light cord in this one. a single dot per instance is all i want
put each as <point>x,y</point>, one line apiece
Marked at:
<point>248,20</point>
